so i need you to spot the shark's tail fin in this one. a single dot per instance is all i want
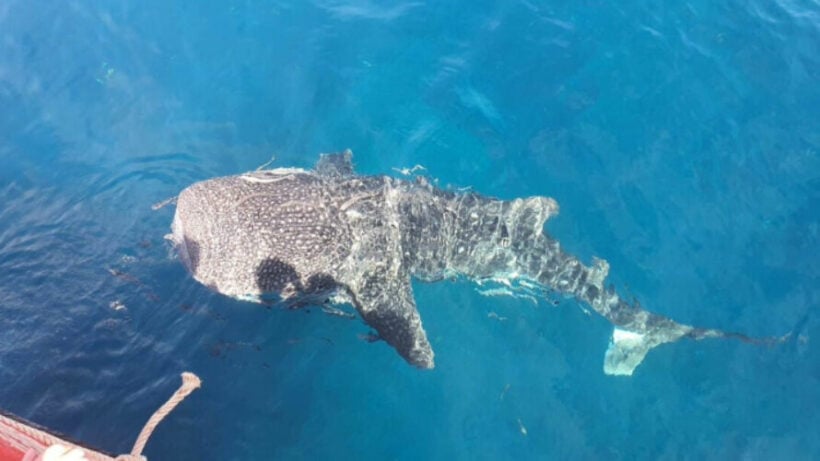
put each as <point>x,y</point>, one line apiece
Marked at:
<point>626,351</point>
<point>636,330</point>
<point>628,348</point>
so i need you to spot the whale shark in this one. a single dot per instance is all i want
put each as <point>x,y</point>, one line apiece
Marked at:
<point>328,236</point>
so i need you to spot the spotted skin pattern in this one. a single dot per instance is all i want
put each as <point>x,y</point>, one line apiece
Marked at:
<point>297,237</point>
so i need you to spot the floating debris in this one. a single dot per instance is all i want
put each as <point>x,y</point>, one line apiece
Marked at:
<point>522,428</point>
<point>493,315</point>
<point>408,171</point>
<point>117,305</point>
<point>266,164</point>
<point>164,203</point>
<point>504,392</point>
<point>105,73</point>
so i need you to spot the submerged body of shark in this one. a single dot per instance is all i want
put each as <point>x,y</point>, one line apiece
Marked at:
<point>308,236</point>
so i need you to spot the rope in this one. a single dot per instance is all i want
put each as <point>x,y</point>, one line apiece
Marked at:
<point>26,438</point>
<point>190,383</point>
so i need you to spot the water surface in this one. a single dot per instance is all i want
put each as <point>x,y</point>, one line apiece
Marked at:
<point>680,140</point>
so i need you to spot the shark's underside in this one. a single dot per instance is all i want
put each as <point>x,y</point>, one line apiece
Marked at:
<point>308,236</point>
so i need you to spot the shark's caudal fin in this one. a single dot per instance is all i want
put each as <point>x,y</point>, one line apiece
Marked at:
<point>626,351</point>
<point>637,331</point>
<point>628,347</point>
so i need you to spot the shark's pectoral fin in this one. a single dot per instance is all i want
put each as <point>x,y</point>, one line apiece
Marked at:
<point>335,165</point>
<point>387,305</point>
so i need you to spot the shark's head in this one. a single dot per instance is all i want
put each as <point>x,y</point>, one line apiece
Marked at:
<point>250,235</point>
<point>192,224</point>
<point>207,239</point>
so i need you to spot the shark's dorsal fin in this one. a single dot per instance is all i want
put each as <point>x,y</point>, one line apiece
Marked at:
<point>335,165</point>
<point>386,303</point>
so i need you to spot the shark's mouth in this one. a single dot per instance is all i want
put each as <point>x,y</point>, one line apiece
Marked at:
<point>187,250</point>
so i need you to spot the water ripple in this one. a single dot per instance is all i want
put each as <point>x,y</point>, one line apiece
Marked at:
<point>364,9</point>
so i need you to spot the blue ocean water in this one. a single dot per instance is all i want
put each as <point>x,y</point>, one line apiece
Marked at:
<point>680,139</point>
